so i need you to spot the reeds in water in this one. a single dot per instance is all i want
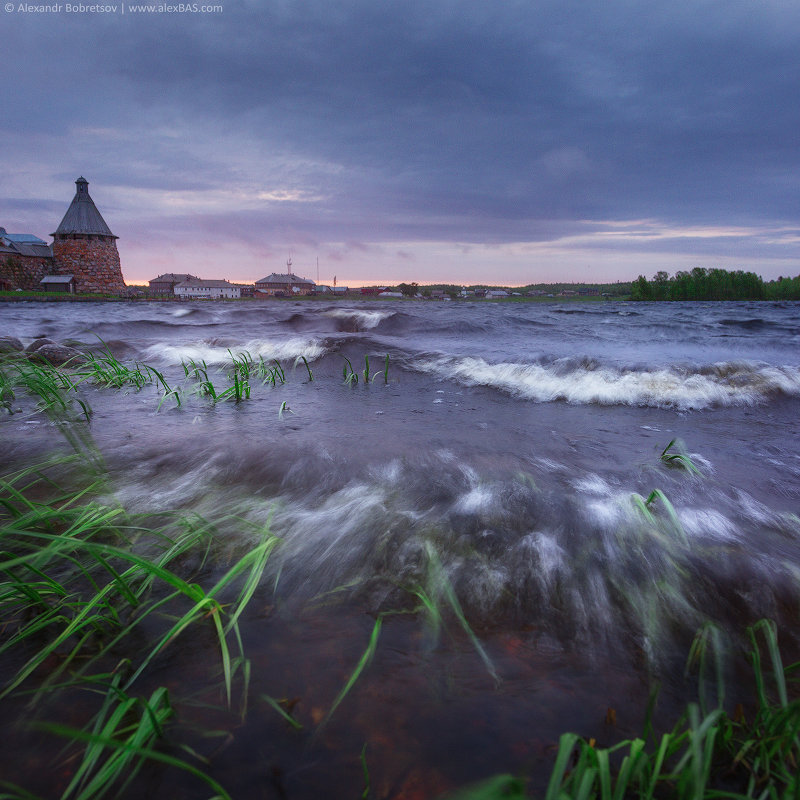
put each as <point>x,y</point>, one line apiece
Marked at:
<point>75,589</point>
<point>708,754</point>
<point>675,455</point>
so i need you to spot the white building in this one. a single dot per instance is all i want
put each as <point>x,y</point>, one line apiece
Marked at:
<point>199,289</point>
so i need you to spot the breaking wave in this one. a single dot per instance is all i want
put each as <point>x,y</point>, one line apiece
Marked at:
<point>217,353</point>
<point>358,320</point>
<point>587,382</point>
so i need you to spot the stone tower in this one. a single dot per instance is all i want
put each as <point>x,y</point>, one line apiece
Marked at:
<point>84,247</point>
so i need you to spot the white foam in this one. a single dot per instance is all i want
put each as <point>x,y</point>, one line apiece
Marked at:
<point>741,384</point>
<point>543,557</point>
<point>332,530</point>
<point>708,523</point>
<point>476,500</point>
<point>187,489</point>
<point>605,513</point>
<point>364,319</point>
<point>484,584</point>
<point>282,350</point>
<point>593,484</point>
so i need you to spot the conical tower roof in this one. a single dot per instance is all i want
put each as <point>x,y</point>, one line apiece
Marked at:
<point>82,216</point>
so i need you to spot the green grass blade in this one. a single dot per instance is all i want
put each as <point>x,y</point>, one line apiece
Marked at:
<point>360,667</point>
<point>285,714</point>
<point>566,744</point>
<point>76,734</point>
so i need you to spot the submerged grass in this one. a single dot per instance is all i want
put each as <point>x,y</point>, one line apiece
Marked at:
<point>57,388</point>
<point>351,377</point>
<point>675,455</point>
<point>107,370</point>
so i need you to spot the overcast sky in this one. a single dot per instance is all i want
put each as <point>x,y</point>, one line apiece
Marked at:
<point>508,142</point>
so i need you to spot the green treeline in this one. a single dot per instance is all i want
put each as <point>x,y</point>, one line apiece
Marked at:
<point>714,284</point>
<point>783,289</point>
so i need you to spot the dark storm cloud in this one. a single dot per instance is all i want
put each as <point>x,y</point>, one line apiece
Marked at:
<point>461,120</point>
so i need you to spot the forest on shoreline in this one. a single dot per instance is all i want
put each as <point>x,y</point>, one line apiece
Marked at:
<point>714,284</point>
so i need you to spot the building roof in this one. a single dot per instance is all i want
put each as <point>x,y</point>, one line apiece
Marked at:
<point>23,244</point>
<point>284,278</point>
<point>82,215</point>
<point>33,250</point>
<point>20,238</point>
<point>57,279</point>
<point>172,277</point>
<point>201,282</point>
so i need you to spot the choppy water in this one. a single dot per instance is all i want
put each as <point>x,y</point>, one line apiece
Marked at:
<point>506,447</point>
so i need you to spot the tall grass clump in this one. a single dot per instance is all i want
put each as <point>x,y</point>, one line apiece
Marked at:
<point>79,580</point>
<point>242,367</point>
<point>55,389</point>
<point>272,374</point>
<point>711,753</point>
<point>675,455</point>
<point>105,369</point>
<point>349,375</point>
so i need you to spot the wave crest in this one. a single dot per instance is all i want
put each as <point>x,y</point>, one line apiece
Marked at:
<point>586,382</point>
<point>215,353</point>
<point>358,320</point>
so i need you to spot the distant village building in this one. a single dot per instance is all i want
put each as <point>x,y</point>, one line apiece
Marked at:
<point>84,247</point>
<point>246,289</point>
<point>166,283</point>
<point>284,285</point>
<point>197,288</point>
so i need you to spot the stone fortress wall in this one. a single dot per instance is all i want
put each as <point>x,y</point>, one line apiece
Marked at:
<point>94,263</point>
<point>83,247</point>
